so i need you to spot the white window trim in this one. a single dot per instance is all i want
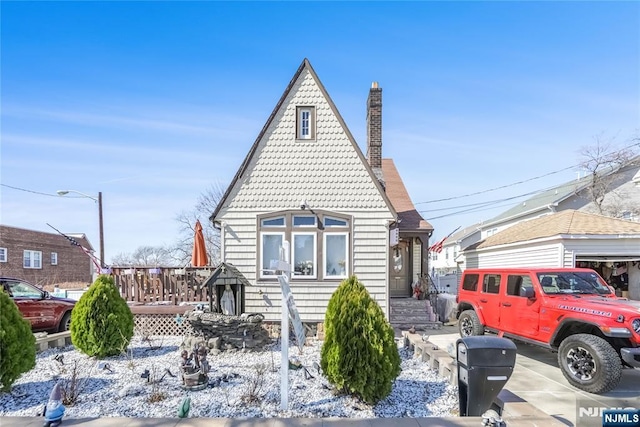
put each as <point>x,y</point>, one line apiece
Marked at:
<point>324,255</point>
<point>32,260</point>
<point>3,254</point>
<point>267,267</point>
<point>54,258</point>
<point>293,258</point>
<point>312,125</point>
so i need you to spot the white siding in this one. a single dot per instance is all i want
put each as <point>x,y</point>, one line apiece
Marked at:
<point>547,255</point>
<point>329,174</point>
<point>369,265</point>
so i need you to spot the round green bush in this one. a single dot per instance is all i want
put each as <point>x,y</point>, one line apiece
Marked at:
<point>359,355</point>
<point>17,343</point>
<point>101,322</point>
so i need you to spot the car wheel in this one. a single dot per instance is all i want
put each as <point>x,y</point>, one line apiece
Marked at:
<point>469,324</point>
<point>65,324</point>
<point>589,363</point>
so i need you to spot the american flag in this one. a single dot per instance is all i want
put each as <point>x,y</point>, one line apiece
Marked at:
<point>74,242</point>
<point>437,247</point>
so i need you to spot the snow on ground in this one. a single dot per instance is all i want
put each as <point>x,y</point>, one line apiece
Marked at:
<point>123,392</point>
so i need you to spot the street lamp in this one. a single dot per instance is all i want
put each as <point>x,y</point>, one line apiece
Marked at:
<point>99,201</point>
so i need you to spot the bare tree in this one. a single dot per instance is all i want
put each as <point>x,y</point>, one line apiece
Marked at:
<point>145,256</point>
<point>602,161</point>
<point>205,205</point>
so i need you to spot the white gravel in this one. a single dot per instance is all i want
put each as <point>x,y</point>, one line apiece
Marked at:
<point>417,392</point>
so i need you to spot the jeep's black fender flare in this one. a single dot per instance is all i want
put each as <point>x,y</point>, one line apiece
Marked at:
<point>568,322</point>
<point>466,305</point>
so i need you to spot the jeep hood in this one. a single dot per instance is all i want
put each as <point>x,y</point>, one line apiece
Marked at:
<point>600,306</point>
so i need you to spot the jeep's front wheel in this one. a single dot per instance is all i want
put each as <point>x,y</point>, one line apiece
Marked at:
<point>469,324</point>
<point>589,363</point>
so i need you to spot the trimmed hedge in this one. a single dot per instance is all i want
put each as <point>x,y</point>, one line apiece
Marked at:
<point>101,322</point>
<point>17,343</point>
<point>359,355</point>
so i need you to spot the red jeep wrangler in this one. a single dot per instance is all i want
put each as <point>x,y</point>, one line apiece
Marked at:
<point>568,310</point>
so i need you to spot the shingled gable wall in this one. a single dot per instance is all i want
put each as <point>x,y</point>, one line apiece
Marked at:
<point>331,174</point>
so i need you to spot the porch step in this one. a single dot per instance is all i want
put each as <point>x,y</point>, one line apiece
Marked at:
<point>405,313</point>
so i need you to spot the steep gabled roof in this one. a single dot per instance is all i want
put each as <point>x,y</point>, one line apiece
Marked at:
<point>568,222</point>
<point>409,217</point>
<point>304,67</point>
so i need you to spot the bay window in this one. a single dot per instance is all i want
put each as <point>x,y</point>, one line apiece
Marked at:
<point>319,244</point>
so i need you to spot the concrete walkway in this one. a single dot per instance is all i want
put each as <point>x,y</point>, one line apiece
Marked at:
<point>272,422</point>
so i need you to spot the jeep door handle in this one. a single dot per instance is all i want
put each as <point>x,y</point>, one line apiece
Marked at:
<point>483,300</point>
<point>506,304</point>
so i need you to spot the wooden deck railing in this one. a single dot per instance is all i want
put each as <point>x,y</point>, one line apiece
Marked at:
<point>162,284</point>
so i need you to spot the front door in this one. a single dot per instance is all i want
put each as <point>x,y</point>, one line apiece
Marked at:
<point>400,285</point>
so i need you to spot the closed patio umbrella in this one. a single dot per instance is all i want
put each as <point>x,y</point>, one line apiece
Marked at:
<point>199,254</point>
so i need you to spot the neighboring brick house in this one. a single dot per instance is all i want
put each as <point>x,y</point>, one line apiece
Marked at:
<point>306,181</point>
<point>43,258</point>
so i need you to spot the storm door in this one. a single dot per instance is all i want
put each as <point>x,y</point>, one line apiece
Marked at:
<point>399,276</point>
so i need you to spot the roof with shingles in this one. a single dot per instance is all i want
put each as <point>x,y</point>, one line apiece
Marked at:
<point>565,222</point>
<point>330,172</point>
<point>399,196</point>
<point>543,199</point>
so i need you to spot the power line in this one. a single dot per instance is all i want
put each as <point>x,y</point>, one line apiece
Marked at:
<point>40,193</point>
<point>29,191</point>
<point>495,188</point>
<point>636,144</point>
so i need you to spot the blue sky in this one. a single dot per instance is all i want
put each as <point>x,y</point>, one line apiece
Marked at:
<point>152,102</point>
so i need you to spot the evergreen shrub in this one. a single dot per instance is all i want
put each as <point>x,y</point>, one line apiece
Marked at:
<point>359,355</point>
<point>17,343</point>
<point>101,322</point>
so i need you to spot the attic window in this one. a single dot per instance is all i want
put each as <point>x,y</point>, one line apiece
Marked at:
<point>306,123</point>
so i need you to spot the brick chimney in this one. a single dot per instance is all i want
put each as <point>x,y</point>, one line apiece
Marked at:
<point>374,126</point>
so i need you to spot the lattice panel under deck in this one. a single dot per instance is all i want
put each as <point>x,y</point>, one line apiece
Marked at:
<point>160,324</point>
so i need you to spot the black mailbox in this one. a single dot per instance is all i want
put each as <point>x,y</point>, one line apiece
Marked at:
<point>485,363</point>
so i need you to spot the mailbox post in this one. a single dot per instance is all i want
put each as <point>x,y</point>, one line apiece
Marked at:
<point>485,363</point>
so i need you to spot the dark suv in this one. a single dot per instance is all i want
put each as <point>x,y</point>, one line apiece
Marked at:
<point>45,312</point>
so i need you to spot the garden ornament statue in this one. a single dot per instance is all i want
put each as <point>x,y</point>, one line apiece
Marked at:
<point>195,369</point>
<point>227,301</point>
<point>54,409</point>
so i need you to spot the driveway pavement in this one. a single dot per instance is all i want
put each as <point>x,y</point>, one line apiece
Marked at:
<point>537,379</point>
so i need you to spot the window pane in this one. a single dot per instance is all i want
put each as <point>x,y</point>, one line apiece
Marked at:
<point>304,221</point>
<point>333,222</point>
<point>37,259</point>
<point>27,259</point>
<point>470,282</point>
<point>273,222</point>
<point>304,255</point>
<point>491,284</point>
<point>336,255</point>
<point>271,244</point>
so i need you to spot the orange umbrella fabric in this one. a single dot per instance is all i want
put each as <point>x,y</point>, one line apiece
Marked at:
<point>199,254</point>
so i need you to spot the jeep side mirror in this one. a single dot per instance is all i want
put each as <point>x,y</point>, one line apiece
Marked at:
<point>527,292</point>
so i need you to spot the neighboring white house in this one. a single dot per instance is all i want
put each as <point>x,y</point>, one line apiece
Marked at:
<point>621,191</point>
<point>305,181</point>
<point>567,239</point>
<point>448,261</point>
